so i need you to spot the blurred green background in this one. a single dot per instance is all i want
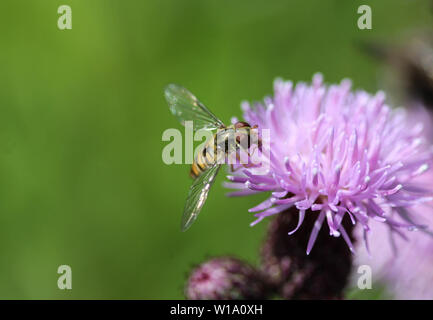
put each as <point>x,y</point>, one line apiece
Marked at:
<point>82,180</point>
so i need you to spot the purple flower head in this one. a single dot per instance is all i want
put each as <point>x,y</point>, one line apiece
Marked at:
<point>403,265</point>
<point>225,278</point>
<point>407,273</point>
<point>336,153</point>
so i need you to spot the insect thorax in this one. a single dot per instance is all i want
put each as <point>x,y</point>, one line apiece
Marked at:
<point>227,140</point>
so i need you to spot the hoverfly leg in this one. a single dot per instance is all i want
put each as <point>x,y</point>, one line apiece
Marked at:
<point>249,165</point>
<point>238,161</point>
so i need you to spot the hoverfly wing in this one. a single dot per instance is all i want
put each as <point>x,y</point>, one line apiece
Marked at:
<point>197,196</point>
<point>186,107</point>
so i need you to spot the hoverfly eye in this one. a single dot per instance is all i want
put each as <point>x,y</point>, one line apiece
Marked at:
<point>241,124</point>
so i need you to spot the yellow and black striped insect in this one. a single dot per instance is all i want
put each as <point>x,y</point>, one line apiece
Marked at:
<point>226,141</point>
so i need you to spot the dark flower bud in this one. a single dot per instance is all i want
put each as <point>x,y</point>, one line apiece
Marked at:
<point>323,274</point>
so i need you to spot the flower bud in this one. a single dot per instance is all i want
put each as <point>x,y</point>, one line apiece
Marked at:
<point>225,278</point>
<point>323,274</point>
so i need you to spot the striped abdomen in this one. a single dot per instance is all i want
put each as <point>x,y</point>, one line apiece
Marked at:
<point>204,158</point>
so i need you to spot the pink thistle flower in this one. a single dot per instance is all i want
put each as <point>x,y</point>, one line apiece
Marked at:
<point>404,264</point>
<point>336,153</point>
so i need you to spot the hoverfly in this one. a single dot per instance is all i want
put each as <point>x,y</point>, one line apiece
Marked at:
<point>207,162</point>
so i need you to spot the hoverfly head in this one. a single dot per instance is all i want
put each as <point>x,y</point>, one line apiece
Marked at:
<point>241,124</point>
<point>242,134</point>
